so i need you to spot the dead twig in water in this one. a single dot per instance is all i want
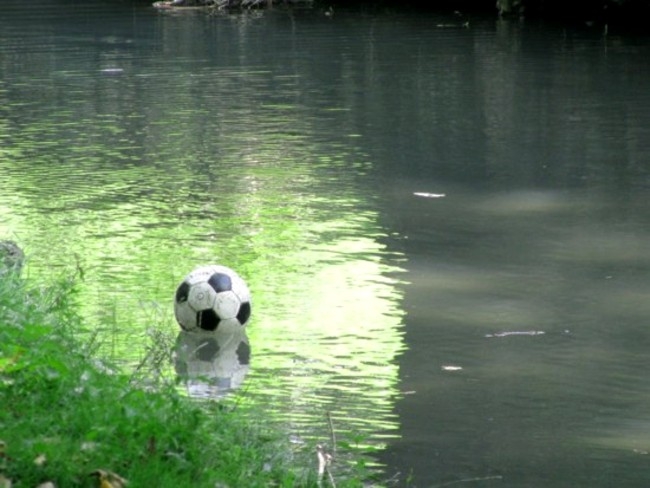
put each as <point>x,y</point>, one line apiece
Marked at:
<point>324,457</point>
<point>324,461</point>
<point>469,480</point>
<point>332,433</point>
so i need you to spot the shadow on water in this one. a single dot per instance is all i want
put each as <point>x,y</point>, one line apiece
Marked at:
<point>533,309</point>
<point>518,199</point>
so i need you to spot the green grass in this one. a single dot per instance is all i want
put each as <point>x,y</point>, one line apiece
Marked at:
<point>64,414</point>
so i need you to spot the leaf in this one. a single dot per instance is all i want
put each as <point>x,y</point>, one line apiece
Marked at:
<point>108,479</point>
<point>10,363</point>
<point>40,460</point>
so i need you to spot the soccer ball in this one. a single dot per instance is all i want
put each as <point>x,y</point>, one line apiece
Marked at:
<point>212,298</point>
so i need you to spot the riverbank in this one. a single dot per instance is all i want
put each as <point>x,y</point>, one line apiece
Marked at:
<point>69,419</point>
<point>622,15</point>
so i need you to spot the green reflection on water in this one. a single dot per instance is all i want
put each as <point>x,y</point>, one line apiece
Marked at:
<point>141,207</point>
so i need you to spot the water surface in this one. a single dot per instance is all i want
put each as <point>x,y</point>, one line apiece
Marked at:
<point>444,228</point>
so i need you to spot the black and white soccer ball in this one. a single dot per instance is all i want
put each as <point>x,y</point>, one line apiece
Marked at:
<point>212,298</point>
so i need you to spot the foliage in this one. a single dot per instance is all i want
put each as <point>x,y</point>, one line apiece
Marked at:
<point>222,4</point>
<point>66,415</point>
<point>604,11</point>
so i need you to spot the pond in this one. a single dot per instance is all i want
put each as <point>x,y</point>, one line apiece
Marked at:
<point>443,220</point>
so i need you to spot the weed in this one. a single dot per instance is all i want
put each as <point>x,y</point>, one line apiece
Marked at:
<point>64,415</point>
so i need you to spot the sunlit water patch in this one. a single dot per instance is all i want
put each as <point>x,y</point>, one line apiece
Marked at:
<point>136,172</point>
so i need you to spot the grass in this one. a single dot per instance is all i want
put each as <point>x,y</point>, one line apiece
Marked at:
<point>64,414</point>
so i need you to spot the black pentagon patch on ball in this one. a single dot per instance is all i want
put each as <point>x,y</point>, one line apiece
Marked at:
<point>244,313</point>
<point>207,320</point>
<point>183,292</point>
<point>220,282</point>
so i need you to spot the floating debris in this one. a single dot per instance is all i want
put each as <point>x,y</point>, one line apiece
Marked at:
<point>517,333</point>
<point>450,367</point>
<point>429,195</point>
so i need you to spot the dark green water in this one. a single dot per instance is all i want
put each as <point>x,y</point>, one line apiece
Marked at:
<point>445,230</point>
